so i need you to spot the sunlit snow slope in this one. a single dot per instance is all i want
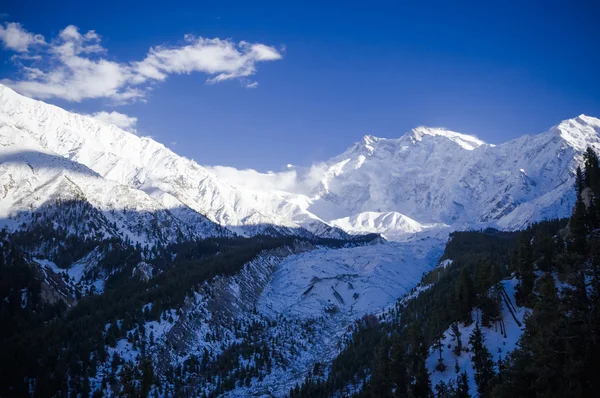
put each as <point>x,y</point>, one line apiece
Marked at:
<point>426,179</point>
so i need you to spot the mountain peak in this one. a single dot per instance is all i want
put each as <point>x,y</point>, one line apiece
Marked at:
<point>579,132</point>
<point>369,139</point>
<point>468,142</point>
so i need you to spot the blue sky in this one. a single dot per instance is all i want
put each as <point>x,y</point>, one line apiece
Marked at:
<point>326,74</point>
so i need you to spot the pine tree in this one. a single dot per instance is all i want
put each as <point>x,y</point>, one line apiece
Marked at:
<point>147,376</point>
<point>579,181</point>
<point>483,277</point>
<point>542,365</point>
<point>456,336</point>
<point>380,381</point>
<point>592,180</point>
<point>439,347</point>
<point>420,386</point>
<point>592,169</point>
<point>462,386</point>
<point>545,334</point>
<point>482,362</point>
<point>398,376</point>
<point>464,296</point>
<point>444,390</point>
<point>525,268</point>
<point>577,226</point>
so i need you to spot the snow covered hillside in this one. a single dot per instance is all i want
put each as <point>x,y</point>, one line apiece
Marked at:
<point>500,339</point>
<point>392,225</point>
<point>433,176</point>
<point>33,179</point>
<point>171,182</point>
<point>350,282</point>
<point>426,178</point>
<point>299,300</point>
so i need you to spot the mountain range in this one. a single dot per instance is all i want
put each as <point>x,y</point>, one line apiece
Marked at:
<point>221,264</point>
<point>428,179</point>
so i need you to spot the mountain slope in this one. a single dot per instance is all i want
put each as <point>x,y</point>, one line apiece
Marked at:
<point>32,178</point>
<point>392,225</point>
<point>434,175</point>
<point>141,163</point>
<point>430,175</point>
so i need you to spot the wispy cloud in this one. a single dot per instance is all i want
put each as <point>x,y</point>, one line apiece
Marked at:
<point>15,38</point>
<point>120,120</point>
<point>74,66</point>
<point>257,181</point>
<point>291,179</point>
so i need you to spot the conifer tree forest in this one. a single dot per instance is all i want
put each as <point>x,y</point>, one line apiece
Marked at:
<point>49,348</point>
<point>557,264</point>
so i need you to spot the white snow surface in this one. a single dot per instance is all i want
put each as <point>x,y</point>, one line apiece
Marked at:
<point>428,176</point>
<point>348,282</point>
<point>391,225</point>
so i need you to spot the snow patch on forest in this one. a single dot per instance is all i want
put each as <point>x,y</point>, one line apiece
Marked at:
<point>499,344</point>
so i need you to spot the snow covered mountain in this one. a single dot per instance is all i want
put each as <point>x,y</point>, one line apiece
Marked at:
<point>150,170</point>
<point>74,183</point>
<point>427,178</point>
<point>36,183</point>
<point>392,225</point>
<point>435,175</point>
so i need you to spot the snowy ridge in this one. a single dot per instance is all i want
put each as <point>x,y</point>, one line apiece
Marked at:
<point>33,178</point>
<point>349,282</point>
<point>392,225</point>
<point>437,176</point>
<point>432,175</point>
<point>172,181</point>
<point>467,142</point>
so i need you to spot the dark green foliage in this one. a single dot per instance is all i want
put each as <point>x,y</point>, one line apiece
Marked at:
<point>482,362</point>
<point>465,296</point>
<point>462,386</point>
<point>525,269</point>
<point>592,169</point>
<point>481,259</point>
<point>578,228</point>
<point>579,181</point>
<point>61,352</point>
<point>400,356</point>
<point>558,352</point>
<point>420,384</point>
<point>458,388</point>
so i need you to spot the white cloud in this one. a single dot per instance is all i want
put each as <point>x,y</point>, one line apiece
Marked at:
<point>257,181</point>
<point>291,179</point>
<point>221,58</point>
<point>70,74</point>
<point>73,67</point>
<point>118,119</point>
<point>14,37</point>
